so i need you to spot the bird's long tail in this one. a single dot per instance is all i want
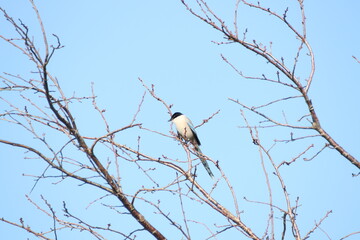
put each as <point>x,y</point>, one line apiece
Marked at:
<point>204,162</point>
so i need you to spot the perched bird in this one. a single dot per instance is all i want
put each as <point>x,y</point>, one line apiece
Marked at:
<point>186,130</point>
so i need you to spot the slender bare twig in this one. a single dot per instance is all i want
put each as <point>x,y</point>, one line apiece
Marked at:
<point>356,59</point>
<point>295,158</point>
<point>349,235</point>
<point>277,123</point>
<point>271,213</point>
<point>317,225</point>
<point>183,212</point>
<point>27,228</point>
<point>315,155</point>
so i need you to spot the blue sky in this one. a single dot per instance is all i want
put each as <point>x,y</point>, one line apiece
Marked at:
<point>112,43</point>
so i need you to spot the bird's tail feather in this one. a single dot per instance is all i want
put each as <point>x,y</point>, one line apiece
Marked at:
<point>204,162</point>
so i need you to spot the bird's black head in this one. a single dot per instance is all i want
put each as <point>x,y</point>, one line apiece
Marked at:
<point>175,115</point>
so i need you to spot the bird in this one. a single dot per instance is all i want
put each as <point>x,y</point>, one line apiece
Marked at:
<point>186,130</point>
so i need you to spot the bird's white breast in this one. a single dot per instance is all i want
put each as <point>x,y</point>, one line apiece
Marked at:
<point>182,126</point>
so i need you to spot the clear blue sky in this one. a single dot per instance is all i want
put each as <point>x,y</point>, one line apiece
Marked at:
<point>112,43</point>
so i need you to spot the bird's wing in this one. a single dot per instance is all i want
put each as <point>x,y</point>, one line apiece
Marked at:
<point>200,155</point>
<point>194,132</point>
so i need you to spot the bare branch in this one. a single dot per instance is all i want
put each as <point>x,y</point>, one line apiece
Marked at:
<point>349,235</point>
<point>317,225</point>
<point>267,117</point>
<point>356,59</point>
